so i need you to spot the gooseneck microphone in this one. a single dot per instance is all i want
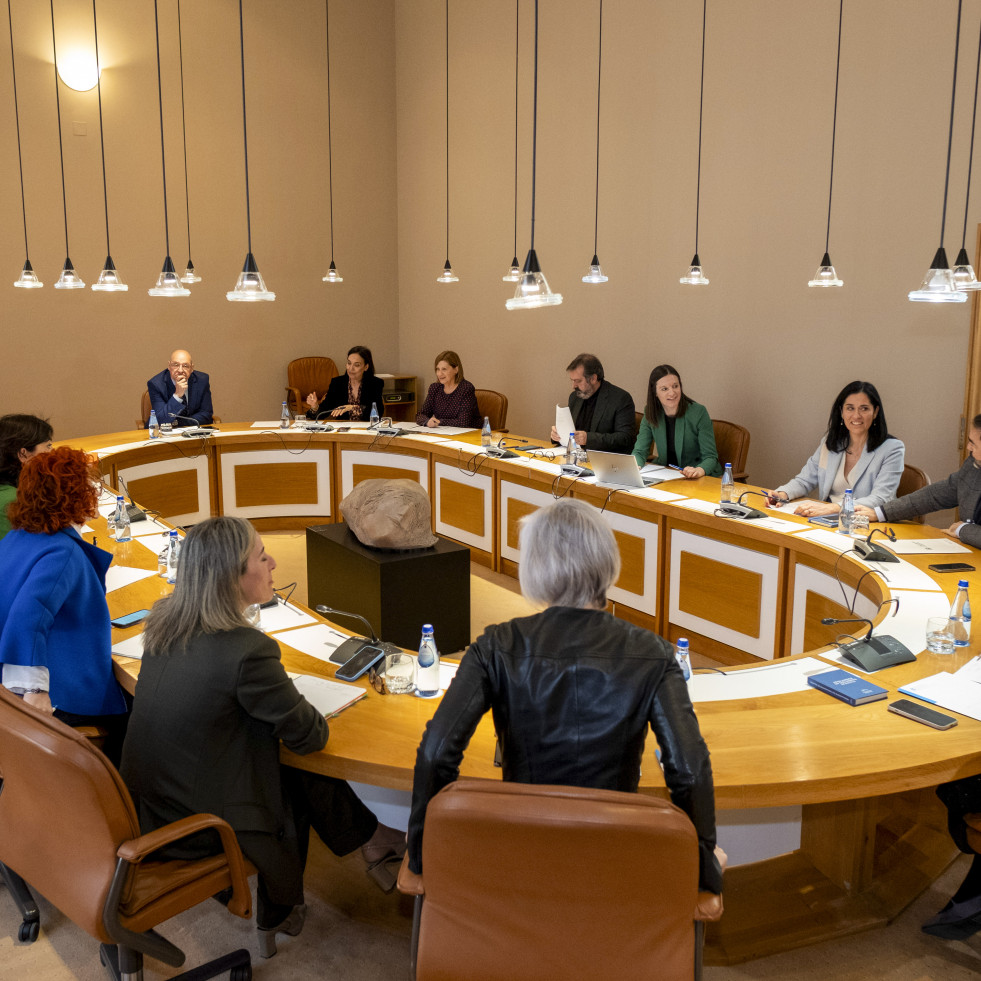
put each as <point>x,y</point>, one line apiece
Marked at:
<point>736,509</point>
<point>195,429</point>
<point>351,647</point>
<point>347,613</point>
<point>871,653</point>
<point>876,553</point>
<point>831,621</point>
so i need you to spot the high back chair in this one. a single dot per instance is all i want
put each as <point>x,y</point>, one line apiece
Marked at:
<point>913,479</point>
<point>493,405</point>
<point>732,444</point>
<point>306,375</point>
<point>523,882</point>
<point>68,826</point>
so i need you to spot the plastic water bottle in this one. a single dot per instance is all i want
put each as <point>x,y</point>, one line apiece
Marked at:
<point>485,433</point>
<point>427,674</point>
<point>121,519</point>
<point>162,560</point>
<point>960,616</point>
<point>284,418</point>
<point>173,552</point>
<point>846,513</point>
<point>682,657</point>
<point>728,486</point>
<point>153,425</point>
<point>571,454</point>
<point>373,418</point>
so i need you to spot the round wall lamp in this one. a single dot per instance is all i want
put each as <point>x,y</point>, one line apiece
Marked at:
<point>78,69</point>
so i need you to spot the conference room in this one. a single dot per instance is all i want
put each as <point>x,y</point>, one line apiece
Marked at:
<point>420,167</point>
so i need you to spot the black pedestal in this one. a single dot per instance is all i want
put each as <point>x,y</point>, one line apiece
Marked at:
<point>396,592</point>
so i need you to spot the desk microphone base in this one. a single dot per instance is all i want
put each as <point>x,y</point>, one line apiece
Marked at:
<point>876,653</point>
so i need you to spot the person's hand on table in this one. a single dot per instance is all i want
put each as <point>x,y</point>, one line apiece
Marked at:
<point>433,422</point>
<point>776,498</point>
<point>340,410</point>
<point>868,512</point>
<point>692,473</point>
<point>40,700</point>
<point>955,529</point>
<point>811,509</point>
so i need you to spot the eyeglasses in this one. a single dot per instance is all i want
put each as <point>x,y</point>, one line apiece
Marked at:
<point>377,679</point>
<point>178,364</point>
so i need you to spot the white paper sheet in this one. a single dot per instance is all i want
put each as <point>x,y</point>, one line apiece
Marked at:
<point>777,678</point>
<point>563,423</point>
<point>903,575</point>
<point>924,546</point>
<point>319,640</point>
<point>949,691</point>
<point>118,576</point>
<point>828,538</point>
<point>282,616</point>
<point>706,507</point>
<point>131,647</point>
<point>328,697</point>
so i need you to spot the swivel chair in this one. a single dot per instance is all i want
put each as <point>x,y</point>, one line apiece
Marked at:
<point>732,445</point>
<point>913,479</point>
<point>493,405</point>
<point>306,375</point>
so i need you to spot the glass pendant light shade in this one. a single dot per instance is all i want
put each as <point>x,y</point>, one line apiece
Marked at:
<point>938,283</point>
<point>109,280</point>
<point>695,275</point>
<point>532,288</point>
<point>250,286</point>
<point>190,273</point>
<point>514,273</point>
<point>167,282</point>
<point>964,278</point>
<point>28,278</point>
<point>826,275</point>
<point>447,275</point>
<point>69,279</point>
<point>595,274</point>
<point>333,276</point>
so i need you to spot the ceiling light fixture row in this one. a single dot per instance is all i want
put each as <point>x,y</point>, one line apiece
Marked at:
<point>447,275</point>
<point>514,272</point>
<point>695,276</point>
<point>332,274</point>
<point>595,274</point>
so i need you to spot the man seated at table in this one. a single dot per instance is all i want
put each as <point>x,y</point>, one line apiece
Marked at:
<point>179,394</point>
<point>602,413</point>
<point>962,489</point>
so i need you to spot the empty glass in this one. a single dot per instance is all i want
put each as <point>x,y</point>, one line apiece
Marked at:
<point>939,635</point>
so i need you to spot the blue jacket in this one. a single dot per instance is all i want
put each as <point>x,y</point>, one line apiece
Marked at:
<point>53,614</point>
<point>161,388</point>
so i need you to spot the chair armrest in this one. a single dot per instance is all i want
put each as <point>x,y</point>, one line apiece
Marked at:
<point>709,907</point>
<point>409,882</point>
<point>293,398</point>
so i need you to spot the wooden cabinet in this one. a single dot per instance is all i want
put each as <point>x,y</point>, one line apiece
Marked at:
<point>399,397</point>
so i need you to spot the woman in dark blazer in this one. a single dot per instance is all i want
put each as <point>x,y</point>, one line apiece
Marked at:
<point>212,706</point>
<point>351,395</point>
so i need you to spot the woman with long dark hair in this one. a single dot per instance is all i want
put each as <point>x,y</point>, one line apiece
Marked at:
<point>21,437</point>
<point>350,396</point>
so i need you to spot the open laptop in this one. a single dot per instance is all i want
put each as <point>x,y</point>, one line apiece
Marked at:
<point>619,470</point>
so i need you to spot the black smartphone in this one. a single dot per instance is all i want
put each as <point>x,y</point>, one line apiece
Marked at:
<point>364,659</point>
<point>128,619</point>
<point>920,713</point>
<point>951,567</point>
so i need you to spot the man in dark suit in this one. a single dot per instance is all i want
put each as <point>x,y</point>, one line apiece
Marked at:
<point>179,394</point>
<point>603,414</point>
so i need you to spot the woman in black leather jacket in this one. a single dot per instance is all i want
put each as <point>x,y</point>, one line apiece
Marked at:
<point>572,689</point>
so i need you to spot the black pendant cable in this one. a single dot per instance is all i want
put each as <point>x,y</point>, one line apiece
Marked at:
<point>514,273</point>
<point>826,275</point>
<point>964,278</point>
<point>695,275</point>
<point>69,279</point>
<point>533,290</point>
<point>938,283</point>
<point>109,280</point>
<point>28,278</point>
<point>332,274</point>
<point>190,273</point>
<point>595,274</point>
<point>249,286</point>
<point>447,275</point>
<point>167,282</point>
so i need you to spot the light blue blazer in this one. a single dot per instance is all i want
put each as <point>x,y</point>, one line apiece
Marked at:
<point>874,478</point>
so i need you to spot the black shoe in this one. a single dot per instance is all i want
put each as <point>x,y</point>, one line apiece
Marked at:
<point>956,921</point>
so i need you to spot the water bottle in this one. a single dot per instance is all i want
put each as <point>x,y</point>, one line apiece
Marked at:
<point>571,454</point>
<point>427,674</point>
<point>173,552</point>
<point>682,657</point>
<point>373,418</point>
<point>121,519</point>
<point>846,513</point>
<point>284,418</point>
<point>485,433</point>
<point>162,560</point>
<point>728,487</point>
<point>960,616</point>
<point>153,425</point>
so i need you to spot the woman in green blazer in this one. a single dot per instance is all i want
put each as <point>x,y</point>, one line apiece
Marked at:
<point>675,430</point>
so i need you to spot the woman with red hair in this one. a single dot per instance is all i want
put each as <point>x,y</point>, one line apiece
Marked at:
<point>54,622</point>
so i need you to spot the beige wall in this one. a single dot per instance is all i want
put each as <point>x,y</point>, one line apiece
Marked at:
<point>757,346</point>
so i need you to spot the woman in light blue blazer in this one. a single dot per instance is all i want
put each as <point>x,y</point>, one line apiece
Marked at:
<point>856,453</point>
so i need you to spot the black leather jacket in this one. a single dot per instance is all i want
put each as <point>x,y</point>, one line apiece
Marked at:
<point>572,692</point>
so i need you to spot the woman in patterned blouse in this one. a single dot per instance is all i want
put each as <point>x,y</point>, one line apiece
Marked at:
<point>451,400</point>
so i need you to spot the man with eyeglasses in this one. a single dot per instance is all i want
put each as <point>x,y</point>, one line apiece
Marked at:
<point>180,395</point>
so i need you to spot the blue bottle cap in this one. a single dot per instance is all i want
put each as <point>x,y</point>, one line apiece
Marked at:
<point>962,584</point>
<point>683,642</point>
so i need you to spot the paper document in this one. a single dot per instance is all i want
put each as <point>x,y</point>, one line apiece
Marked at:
<point>131,647</point>
<point>281,616</point>
<point>902,575</point>
<point>326,696</point>
<point>118,576</point>
<point>563,423</point>
<point>778,678</point>
<point>319,640</point>
<point>924,546</point>
<point>706,507</point>
<point>662,473</point>
<point>949,691</point>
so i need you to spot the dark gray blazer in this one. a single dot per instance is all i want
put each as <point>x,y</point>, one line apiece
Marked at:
<point>613,419</point>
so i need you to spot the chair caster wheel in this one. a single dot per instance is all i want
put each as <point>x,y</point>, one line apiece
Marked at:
<point>29,931</point>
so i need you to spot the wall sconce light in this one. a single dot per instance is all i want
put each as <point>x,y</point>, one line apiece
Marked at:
<point>79,69</point>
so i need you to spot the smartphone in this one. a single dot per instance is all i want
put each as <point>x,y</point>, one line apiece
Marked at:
<point>827,520</point>
<point>951,567</point>
<point>343,429</point>
<point>364,659</point>
<point>920,713</point>
<point>128,619</point>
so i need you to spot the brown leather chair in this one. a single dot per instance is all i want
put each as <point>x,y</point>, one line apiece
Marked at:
<point>913,479</point>
<point>732,444</point>
<point>144,419</point>
<point>306,375</point>
<point>70,829</point>
<point>493,405</point>
<point>524,881</point>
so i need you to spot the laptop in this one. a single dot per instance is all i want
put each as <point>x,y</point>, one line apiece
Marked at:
<point>619,470</point>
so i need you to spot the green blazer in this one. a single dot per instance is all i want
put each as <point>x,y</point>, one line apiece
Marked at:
<point>694,441</point>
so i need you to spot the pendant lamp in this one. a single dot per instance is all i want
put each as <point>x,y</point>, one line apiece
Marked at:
<point>533,290</point>
<point>447,275</point>
<point>964,278</point>
<point>249,287</point>
<point>595,274</point>
<point>938,283</point>
<point>695,276</point>
<point>191,275</point>
<point>514,272</point>
<point>826,275</point>
<point>333,276</point>
<point>28,278</point>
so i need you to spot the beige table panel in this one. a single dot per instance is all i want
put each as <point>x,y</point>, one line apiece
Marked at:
<point>464,509</point>
<point>179,488</point>
<point>356,465</point>
<point>269,483</point>
<point>816,594</point>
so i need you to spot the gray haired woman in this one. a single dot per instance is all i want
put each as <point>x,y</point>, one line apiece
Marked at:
<point>572,689</point>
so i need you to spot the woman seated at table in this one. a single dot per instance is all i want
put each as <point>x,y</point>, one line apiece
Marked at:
<point>451,399</point>
<point>212,705</point>
<point>351,395</point>
<point>54,622</point>
<point>676,431</point>
<point>857,452</point>
<point>572,689</point>
<point>21,437</point>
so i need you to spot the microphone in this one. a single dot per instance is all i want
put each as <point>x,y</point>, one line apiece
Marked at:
<point>135,513</point>
<point>194,429</point>
<point>876,553</point>
<point>357,616</point>
<point>736,509</point>
<point>353,645</point>
<point>500,452</point>
<point>871,653</point>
